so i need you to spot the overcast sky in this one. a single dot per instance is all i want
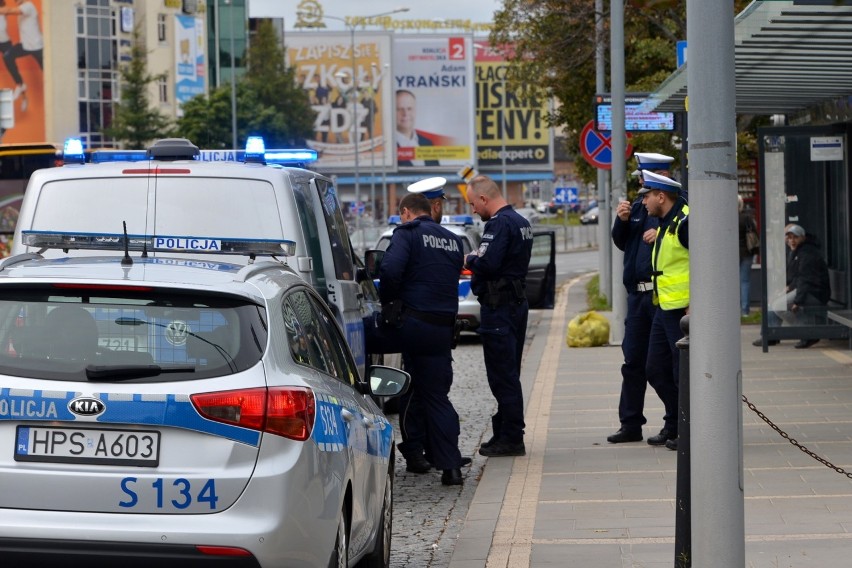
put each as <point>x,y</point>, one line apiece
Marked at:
<point>478,11</point>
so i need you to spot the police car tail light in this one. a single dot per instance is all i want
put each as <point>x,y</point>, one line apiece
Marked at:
<point>284,411</point>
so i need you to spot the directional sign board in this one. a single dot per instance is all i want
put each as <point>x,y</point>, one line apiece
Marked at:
<point>566,195</point>
<point>596,147</point>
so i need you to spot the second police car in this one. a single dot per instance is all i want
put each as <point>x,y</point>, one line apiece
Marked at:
<point>171,412</point>
<point>175,191</point>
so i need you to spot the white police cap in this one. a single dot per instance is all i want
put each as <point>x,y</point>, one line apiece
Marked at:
<point>652,161</point>
<point>657,181</point>
<point>430,188</point>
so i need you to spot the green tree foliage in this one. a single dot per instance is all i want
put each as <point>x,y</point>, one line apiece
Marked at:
<point>554,48</point>
<point>284,115</point>
<point>269,103</point>
<point>135,123</point>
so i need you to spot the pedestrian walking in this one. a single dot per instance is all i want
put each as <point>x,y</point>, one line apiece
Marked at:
<point>499,270</point>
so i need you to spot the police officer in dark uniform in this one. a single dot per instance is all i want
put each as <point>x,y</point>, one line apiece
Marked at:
<point>499,270</point>
<point>419,292</point>
<point>633,232</point>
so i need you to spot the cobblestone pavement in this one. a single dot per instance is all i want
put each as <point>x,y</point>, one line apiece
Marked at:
<point>427,516</point>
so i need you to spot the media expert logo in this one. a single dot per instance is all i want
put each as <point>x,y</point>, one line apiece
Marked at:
<point>86,406</point>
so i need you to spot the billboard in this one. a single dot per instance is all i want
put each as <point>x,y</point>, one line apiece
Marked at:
<point>189,59</point>
<point>433,97</point>
<point>635,120</point>
<point>22,70</point>
<point>343,96</point>
<point>506,119</point>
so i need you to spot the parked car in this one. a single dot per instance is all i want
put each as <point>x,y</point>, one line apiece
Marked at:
<point>590,217</point>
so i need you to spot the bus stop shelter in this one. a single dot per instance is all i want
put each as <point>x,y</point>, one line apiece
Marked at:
<point>794,62</point>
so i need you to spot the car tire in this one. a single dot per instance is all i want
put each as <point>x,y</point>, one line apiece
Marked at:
<point>380,556</point>
<point>340,554</point>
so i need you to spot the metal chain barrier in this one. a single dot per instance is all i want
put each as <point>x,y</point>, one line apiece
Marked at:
<point>793,441</point>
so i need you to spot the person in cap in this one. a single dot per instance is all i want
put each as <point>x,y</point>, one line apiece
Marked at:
<point>808,288</point>
<point>634,232</point>
<point>418,287</point>
<point>499,268</point>
<point>432,189</point>
<point>670,277</point>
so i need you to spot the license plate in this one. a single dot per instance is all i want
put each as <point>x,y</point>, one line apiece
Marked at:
<point>88,445</point>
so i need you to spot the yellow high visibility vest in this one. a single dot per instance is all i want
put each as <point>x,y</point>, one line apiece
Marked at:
<point>671,266</point>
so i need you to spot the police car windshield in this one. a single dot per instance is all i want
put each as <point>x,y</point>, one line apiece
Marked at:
<point>144,335</point>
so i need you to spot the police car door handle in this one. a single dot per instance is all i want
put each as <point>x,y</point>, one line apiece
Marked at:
<point>347,415</point>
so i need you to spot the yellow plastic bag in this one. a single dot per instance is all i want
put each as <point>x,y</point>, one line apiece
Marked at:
<point>588,329</point>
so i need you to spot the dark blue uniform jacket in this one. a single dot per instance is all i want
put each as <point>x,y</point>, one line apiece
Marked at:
<point>421,267</point>
<point>505,251</point>
<point>627,236</point>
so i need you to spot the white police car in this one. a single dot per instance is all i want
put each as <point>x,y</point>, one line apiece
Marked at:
<point>174,190</point>
<point>464,228</point>
<point>165,411</point>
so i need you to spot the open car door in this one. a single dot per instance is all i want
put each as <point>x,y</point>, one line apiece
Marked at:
<point>541,278</point>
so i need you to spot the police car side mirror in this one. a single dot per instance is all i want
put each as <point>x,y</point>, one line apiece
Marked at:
<point>387,381</point>
<point>373,262</point>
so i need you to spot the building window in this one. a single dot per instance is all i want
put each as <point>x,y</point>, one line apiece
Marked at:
<point>163,87</point>
<point>97,70</point>
<point>161,27</point>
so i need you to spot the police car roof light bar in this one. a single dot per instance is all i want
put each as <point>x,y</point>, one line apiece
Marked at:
<point>105,156</point>
<point>45,240</point>
<point>72,151</point>
<point>255,150</point>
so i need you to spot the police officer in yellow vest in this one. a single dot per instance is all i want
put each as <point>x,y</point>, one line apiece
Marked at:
<point>662,197</point>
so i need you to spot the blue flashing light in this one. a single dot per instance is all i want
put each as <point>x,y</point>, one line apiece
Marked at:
<point>294,156</point>
<point>394,220</point>
<point>72,152</point>
<point>104,156</point>
<point>457,220</point>
<point>255,149</point>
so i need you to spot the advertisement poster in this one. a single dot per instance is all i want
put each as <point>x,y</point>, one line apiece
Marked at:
<point>22,44</point>
<point>433,92</point>
<point>507,119</point>
<point>189,59</point>
<point>353,109</point>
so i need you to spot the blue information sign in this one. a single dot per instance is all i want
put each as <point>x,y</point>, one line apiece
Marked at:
<point>566,195</point>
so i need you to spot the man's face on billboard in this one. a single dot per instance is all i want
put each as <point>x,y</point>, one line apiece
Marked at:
<point>406,112</point>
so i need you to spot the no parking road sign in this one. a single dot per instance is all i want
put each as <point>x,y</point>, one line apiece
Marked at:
<point>596,147</point>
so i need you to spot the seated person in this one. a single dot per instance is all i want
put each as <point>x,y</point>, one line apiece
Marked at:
<point>807,284</point>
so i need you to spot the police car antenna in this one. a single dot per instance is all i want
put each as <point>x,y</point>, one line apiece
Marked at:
<point>126,261</point>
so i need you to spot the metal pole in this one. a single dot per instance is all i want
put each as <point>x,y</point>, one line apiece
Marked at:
<point>683,504</point>
<point>233,81</point>
<point>355,132</point>
<point>216,15</point>
<point>503,137</point>
<point>619,165</point>
<point>716,425</point>
<point>604,245</point>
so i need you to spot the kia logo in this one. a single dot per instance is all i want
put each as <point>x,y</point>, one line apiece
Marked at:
<point>86,406</point>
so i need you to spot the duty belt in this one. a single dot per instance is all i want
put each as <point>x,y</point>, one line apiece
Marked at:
<point>431,317</point>
<point>645,287</point>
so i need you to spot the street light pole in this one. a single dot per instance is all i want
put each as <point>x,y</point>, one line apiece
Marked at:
<point>503,137</point>
<point>355,130</point>
<point>233,78</point>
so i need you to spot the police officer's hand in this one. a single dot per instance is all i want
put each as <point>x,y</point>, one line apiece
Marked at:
<point>649,236</point>
<point>623,210</point>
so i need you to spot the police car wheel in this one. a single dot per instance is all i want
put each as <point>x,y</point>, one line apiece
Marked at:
<point>380,557</point>
<point>340,555</point>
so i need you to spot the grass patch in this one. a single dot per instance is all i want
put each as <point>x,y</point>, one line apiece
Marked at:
<point>594,299</point>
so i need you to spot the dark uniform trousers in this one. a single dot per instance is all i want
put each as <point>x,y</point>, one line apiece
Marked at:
<point>503,331</point>
<point>428,420</point>
<point>663,366</point>
<point>637,333</point>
